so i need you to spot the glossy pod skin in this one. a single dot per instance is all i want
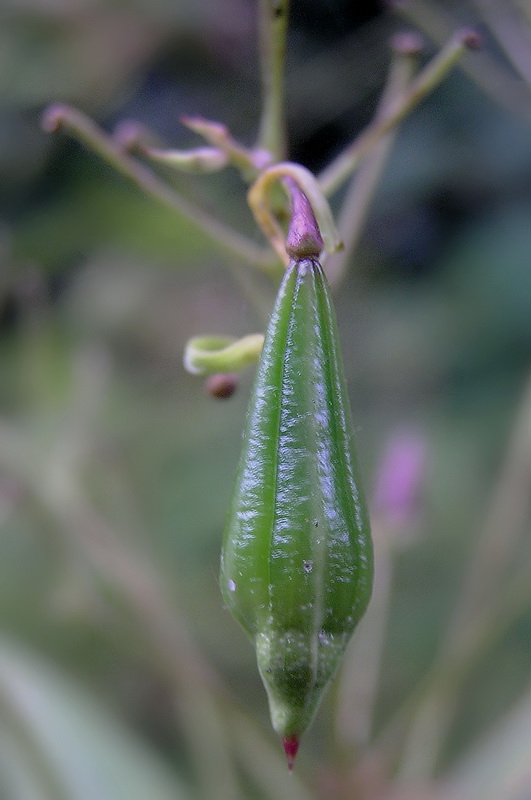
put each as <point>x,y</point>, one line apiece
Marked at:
<point>296,566</point>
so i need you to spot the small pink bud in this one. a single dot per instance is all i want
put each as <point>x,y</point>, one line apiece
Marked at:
<point>399,478</point>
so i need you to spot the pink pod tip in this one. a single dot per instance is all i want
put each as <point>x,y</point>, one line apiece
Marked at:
<point>291,745</point>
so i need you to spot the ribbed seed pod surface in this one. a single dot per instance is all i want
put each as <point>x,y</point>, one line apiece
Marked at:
<point>296,567</point>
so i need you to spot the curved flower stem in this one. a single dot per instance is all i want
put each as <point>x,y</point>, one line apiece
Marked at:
<point>82,128</point>
<point>333,177</point>
<point>363,185</point>
<point>273,23</point>
<point>258,198</point>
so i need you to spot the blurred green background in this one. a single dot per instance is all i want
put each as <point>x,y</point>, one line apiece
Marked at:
<point>118,665</point>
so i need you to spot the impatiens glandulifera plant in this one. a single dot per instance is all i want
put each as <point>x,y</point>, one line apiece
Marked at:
<point>297,562</point>
<point>296,567</point>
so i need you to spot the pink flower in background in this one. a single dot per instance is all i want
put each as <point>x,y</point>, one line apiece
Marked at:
<point>400,478</point>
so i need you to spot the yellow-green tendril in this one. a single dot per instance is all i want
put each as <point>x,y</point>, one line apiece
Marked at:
<point>208,355</point>
<point>259,201</point>
<point>199,160</point>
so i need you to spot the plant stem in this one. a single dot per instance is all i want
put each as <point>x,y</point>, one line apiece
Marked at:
<point>333,177</point>
<point>273,24</point>
<point>494,79</point>
<point>83,129</point>
<point>363,185</point>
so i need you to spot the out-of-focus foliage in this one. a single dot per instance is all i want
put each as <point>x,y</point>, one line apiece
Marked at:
<point>56,741</point>
<point>116,467</point>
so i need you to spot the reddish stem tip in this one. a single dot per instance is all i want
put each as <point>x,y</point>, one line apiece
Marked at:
<point>291,745</point>
<point>130,136</point>
<point>471,38</point>
<point>53,118</point>
<point>407,43</point>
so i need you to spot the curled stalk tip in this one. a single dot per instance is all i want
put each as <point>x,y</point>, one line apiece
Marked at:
<point>471,38</point>
<point>131,136</point>
<point>53,118</point>
<point>208,129</point>
<point>209,355</point>
<point>249,162</point>
<point>407,43</point>
<point>134,138</point>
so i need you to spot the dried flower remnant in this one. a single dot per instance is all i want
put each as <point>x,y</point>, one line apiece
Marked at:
<point>222,385</point>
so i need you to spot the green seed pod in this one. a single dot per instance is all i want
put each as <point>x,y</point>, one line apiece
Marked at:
<point>296,566</point>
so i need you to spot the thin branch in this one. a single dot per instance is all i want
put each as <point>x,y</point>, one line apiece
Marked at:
<point>273,23</point>
<point>363,185</point>
<point>82,128</point>
<point>431,76</point>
